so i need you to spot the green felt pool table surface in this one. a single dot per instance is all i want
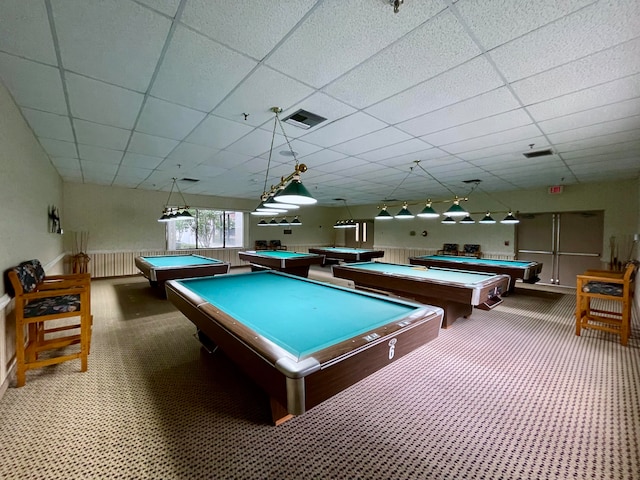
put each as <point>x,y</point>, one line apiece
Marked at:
<point>160,268</point>
<point>301,317</point>
<point>302,341</point>
<point>456,291</point>
<point>180,260</point>
<point>284,261</point>
<point>516,269</point>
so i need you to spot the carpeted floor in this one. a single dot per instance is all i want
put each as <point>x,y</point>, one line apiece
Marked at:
<point>507,394</point>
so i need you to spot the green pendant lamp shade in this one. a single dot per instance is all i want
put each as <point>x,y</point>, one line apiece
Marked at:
<point>487,219</point>
<point>428,211</point>
<point>404,212</point>
<point>510,219</point>
<point>383,215</point>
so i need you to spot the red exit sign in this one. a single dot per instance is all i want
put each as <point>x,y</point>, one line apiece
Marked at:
<point>555,189</point>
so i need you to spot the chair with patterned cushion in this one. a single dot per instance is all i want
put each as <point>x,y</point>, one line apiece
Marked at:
<point>603,301</point>
<point>261,245</point>
<point>449,249</point>
<point>276,245</point>
<point>55,311</point>
<point>471,250</point>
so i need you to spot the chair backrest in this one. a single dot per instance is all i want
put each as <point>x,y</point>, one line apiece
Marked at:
<point>471,248</point>
<point>450,248</point>
<point>28,275</point>
<point>275,243</point>
<point>261,244</point>
<point>630,271</point>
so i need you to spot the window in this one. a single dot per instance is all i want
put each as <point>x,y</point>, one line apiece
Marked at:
<point>208,229</point>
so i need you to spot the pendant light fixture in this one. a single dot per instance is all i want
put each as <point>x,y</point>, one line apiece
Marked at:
<point>169,213</point>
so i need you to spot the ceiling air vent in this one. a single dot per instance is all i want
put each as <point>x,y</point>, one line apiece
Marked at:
<point>304,119</point>
<point>538,153</point>
<point>192,180</point>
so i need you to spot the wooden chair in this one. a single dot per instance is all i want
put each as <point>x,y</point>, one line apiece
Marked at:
<point>449,249</point>
<point>471,250</point>
<point>606,286</point>
<point>261,245</point>
<point>44,305</point>
<point>276,245</point>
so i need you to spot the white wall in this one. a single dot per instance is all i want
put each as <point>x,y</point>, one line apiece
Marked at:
<point>125,219</point>
<point>28,186</point>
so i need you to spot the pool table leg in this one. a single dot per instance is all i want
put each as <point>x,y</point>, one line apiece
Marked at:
<point>279,413</point>
<point>452,311</point>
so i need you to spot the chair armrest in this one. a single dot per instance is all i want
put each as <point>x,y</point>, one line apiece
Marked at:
<point>604,279</point>
<point>53,293</point>
<point>55,282</point>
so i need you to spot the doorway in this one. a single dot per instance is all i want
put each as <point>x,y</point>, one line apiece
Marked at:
<point>566,243</point>
<point>361,236</point>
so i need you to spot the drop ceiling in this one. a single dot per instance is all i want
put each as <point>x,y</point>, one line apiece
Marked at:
<point>133,93</point>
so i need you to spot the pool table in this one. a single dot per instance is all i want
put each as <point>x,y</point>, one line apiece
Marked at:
<point>302,341</point>
<point>526,271</point>
<point>281,260</point>
<point>158,269</point>
<point>346,254</point>
<point>456,291</point>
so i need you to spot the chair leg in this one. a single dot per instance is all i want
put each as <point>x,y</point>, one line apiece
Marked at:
<point>20,355</point>
<point>579,312</point>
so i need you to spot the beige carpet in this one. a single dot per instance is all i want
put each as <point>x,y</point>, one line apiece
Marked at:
<point>506,394</point>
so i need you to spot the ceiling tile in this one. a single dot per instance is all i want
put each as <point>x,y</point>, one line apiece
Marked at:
<point>382,138</point>
<point>138,160</point>
<point>198,72</point>
<point>479,128</point>
<point>451,87</point>
<point>66,163</point>
<point>614,126</point>
<point>263,83</point>
<point>403,148</point>
<point>131,175</point>
<point>27,34</point>
<point>344,129</point>
<point>604,94</point>
<point>32,84</point>
<point>598,141</point>
<point>123,51</point>
<point>151,145</point>
<point>500,21</point>
<point>98,154</point>
<point>168,120</point>
<point>97,170</point>
<point>587,72</point>
<point>58,148</point>
<point>573,37</point>
<point>102,103</point>
<point>250,26</point>
<point>523,133</point>
<point>91,133</point>
<point>49,125</point>
<point>309,52</point>
<point>255,143</point>
<point>322,157</point>
<point>593,116</point>
<point>188,154</point>
<point>217,132</point>
<point>484,105</point>
<point>168,7</point>
<point>225,159</point>
<point>437,46</point>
